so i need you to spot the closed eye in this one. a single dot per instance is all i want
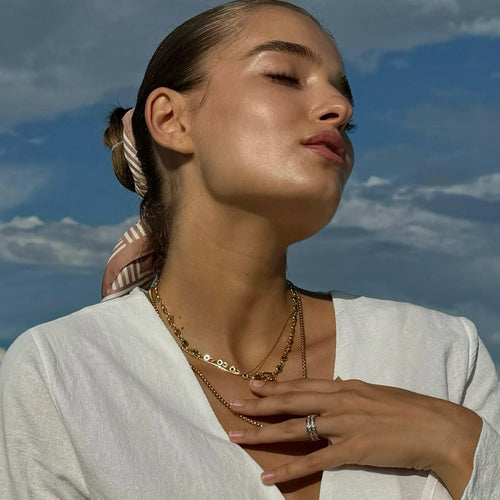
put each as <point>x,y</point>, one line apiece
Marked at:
<point>285,79</point>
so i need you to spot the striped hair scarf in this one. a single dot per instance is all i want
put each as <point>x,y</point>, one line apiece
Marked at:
<point>131,262</point>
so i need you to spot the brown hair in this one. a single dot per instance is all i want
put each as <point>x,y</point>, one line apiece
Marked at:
<point>176,64</point>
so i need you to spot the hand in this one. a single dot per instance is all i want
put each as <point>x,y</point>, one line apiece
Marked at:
<point>366,424</point>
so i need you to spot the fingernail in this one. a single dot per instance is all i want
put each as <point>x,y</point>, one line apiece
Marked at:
<point>267,477</point>
<point>257,383</point>
<point>237,403</point>
<point>236,434</point>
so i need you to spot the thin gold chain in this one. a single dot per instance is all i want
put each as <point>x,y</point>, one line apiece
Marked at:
<point>248,420</point>
<point>260,364</point>
<point>302,336</point>
<point>299,312</point>
<point>224,365</point>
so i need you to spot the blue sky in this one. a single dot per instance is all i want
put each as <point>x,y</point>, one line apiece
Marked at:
<point>420,220</point>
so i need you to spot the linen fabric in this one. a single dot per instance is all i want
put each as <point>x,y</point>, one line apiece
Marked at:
<point>102,404</point>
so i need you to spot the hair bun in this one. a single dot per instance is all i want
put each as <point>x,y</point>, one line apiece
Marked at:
<point>112,138</point>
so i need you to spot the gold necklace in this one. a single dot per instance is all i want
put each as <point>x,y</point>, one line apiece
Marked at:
<point>260,364</point>
<point>267,376</point>
<point>203,378</point>
<point>248,420</point>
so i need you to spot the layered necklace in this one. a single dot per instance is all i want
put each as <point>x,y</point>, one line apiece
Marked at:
<point>296,316</point>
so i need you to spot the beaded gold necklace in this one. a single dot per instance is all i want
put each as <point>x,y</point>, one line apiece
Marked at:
<point>267,376</point>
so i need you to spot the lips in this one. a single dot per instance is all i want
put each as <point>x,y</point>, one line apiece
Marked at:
<point>329,145</point>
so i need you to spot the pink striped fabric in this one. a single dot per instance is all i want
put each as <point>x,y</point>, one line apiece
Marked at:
<point>141,185</point>
<point>131,262</point>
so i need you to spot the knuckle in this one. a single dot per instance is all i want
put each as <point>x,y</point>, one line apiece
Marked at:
<point>357,451</point>
<point>251,405</point>
<point>299,384</point>
<point>354,384</point>
<point>285,471</point>
<point>342,400</point>
<point>312,462</point>
<point>349,421</point>
<point>288,469</point>
<point>253,434</point>
<point>290,427</point>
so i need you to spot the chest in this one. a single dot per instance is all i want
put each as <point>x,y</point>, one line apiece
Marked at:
<point>164,437</point>
<point>220,389</point>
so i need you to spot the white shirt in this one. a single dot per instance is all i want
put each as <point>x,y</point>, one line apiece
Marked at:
<point>102,404</point>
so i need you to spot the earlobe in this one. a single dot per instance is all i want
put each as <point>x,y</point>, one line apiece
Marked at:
<point>166,119</point>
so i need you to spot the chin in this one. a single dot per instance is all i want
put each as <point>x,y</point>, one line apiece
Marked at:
<point>307,219</point>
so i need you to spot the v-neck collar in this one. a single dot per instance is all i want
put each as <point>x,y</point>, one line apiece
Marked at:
<point>206,415</point>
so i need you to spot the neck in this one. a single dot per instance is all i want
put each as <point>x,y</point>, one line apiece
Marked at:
<point>230,298</point>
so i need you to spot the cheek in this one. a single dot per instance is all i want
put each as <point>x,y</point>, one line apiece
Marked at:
<point>246,145</point>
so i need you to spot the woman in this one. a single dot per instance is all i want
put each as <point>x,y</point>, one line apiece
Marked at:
<point>223,380</point>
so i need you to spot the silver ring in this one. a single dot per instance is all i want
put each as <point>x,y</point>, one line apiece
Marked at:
<point>312,433</point>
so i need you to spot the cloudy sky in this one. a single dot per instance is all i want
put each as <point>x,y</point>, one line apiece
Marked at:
<point>420,220</point>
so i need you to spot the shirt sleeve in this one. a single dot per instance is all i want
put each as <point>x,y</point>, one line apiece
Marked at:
<point>37,459</point>
<point>482,394</point>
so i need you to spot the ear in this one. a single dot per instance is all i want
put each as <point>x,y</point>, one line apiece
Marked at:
<point>168,120</point>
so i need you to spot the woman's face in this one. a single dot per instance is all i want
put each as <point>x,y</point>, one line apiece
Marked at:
<point>269,135</point>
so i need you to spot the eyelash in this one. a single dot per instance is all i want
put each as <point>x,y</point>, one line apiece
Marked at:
<point>285,78</point>
<point>294,81</point>
<point>350,127</point>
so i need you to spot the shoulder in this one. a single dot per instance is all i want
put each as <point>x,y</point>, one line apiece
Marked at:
<point>89,333</point>
<point>96,319</point>
<point>382,316</point>
<point>390,342</point>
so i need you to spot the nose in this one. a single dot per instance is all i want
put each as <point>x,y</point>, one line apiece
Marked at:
<point>334,108</point>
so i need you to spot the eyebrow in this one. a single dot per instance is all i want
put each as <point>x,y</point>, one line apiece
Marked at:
<point>288,47</point>
<point>297,49</point>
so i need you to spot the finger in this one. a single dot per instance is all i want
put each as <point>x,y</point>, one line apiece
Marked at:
<point>325,458</point>
<point>297,385</point>
<point>290,403</point>
<point>291,430</point>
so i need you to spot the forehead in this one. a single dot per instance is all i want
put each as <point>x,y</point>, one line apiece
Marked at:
<point>279,23</point>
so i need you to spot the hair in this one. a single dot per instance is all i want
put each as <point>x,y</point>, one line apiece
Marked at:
<point>178,64</point>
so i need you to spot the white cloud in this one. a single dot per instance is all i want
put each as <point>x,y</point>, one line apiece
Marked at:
<point>396,217</point>
<point>2,353</point>
<point>429,6</point>
<point>22,223</point>
<point>18,183</point>
<point>486,187</point>
<point>405,224</point>
<point>374,181</point>
<point>366,29</point>
<point>28,240</point>
<point>481,26</point>
<point>36,141</point>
